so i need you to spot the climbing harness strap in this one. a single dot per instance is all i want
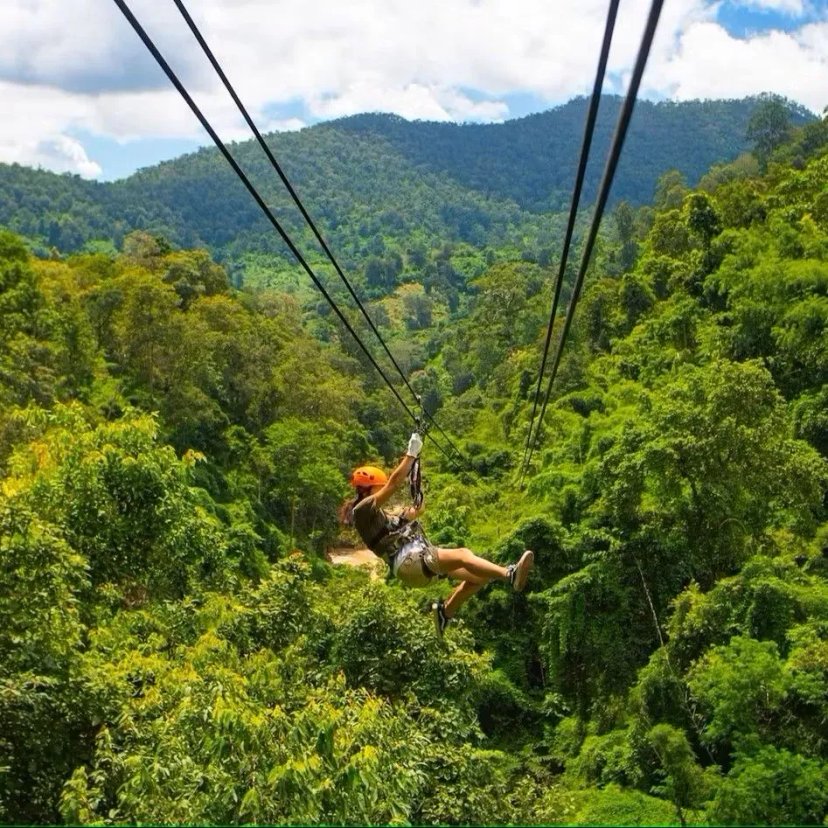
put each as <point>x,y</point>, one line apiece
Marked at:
<point>417,559</point>
<point>397,522</point>
<point>403,530</point>
<point>415,483</point>
<point>415,474</point>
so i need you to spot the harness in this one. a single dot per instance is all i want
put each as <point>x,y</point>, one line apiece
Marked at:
<point>394,524</point>
<point>410,532</point>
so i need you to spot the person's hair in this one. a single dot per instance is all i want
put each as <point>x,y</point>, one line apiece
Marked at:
<point>346,510</point>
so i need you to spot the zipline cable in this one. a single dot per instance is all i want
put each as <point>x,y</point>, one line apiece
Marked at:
<point>147,41</point>
<point>586,144</point>
<point>603,194</point>
<point>298,202</point>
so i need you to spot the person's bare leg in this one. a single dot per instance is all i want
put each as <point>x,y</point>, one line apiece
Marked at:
<point>451,560</point>
<point>463,574</point>
<point>474,573</point>
<point>461,594</point>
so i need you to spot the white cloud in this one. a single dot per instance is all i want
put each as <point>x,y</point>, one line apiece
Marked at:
<point>415,102</point>
<point>35,134</point>
<point>67,68</point>
<point>65,154</point>
<point>709,62</point>
<point>87,45</point>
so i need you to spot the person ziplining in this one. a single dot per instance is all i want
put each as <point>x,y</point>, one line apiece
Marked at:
<point>399,539</point>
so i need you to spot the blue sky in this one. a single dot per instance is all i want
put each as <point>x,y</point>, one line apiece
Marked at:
<point>742,20</point>
<point>92,101</point>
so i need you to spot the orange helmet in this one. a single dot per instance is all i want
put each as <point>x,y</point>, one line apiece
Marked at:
<point>368,476</point>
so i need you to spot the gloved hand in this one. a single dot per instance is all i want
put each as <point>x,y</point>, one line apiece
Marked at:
<point>415,445</point>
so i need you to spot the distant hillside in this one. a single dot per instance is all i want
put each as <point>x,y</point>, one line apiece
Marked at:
<point>375,180</point>
<point>532,160</point>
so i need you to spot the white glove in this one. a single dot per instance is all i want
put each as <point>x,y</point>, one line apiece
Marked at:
<point>415,445</point>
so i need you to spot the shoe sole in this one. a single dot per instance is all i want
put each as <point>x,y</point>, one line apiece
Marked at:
<point>435,615</point>
<point>524,567</point>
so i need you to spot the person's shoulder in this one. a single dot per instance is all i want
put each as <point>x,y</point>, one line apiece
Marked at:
<point>365,505</point>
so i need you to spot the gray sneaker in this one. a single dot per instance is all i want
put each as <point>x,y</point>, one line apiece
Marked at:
<point>519,572</point>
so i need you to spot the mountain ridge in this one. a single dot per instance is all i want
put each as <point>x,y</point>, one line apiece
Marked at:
<point>375,174</point>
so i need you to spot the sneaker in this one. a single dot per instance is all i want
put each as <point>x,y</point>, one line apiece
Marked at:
<point>441,620</point>
<point>519,572</point>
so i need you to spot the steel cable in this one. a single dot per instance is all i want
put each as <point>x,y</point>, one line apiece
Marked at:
<point>171,75</point>
<point>586,144</point>
<point>603,194</point>
<point>298,202</point>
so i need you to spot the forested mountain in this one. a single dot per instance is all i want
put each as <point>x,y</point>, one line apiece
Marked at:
<point>175,649</point>
<point>378,175</point>
<point>531,160</point>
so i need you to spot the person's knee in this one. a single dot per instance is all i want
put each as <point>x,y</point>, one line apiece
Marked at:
<point>466,555</point>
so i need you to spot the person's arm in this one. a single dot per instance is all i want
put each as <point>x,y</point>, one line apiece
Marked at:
<point>415,444</point>
<point>413,512</point>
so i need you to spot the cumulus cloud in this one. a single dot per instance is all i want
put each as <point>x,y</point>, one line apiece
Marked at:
<point>708,60</point>
<point>414,101</point>
<point>87,46</point>
<point>78,67</point>
<point>64,154</point>
<point>37,133</point>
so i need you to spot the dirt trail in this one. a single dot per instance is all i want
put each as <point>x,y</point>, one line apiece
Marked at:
<point>348,556</point>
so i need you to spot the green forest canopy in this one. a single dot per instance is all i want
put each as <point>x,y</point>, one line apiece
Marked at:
<point>174,648</point>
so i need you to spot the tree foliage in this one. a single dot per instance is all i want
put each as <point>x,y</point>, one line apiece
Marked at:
<point>175,437</point>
